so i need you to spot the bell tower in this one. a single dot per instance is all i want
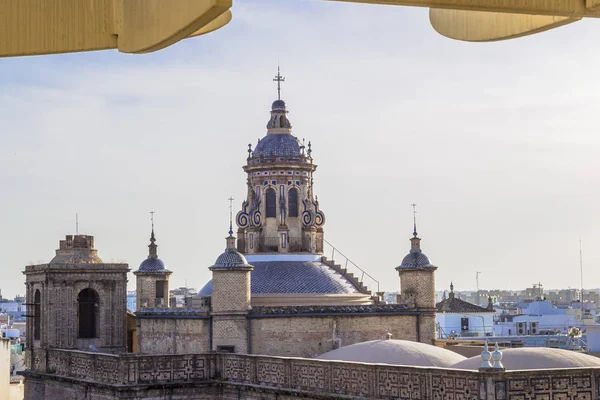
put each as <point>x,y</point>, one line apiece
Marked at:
<point>280,213</point>
<point>79,302</point>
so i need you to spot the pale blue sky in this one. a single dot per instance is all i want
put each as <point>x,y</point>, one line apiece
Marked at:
<point>497,143</point>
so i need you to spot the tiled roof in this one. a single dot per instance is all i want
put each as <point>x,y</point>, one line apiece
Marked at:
<point>455,305</point>
<point>231,258</point>
<point>277,145</point>
<point>273,277</point>
<point>416,258</point>
<point>152,265</point>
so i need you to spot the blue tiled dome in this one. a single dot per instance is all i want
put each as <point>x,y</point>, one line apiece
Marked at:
<point>152,265</point>
<point>231,258</point>
<point>277,145</point>
<point>278,105</point>
<point>415,259</point>
<point>283,277</point>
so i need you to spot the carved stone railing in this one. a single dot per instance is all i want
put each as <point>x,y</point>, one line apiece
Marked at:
<point>349,379</point>
<point>334,379</point>
<point>328,379</point>
<point>127,369</point>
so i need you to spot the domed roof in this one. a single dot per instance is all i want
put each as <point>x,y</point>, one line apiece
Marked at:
<point>278,105</point>
<point>277,145</point>
<point>286,275</point>
<point>398,352</point>
<point>231,258</point>
<point>415,259</point>
<point>535,358</point>
<point>76,249</point>
<point>152,265</point>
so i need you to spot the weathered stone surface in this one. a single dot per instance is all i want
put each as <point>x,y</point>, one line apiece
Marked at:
<point>234,376</point>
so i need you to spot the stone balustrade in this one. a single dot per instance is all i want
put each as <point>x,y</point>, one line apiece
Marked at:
<point>328,379</point>
<point>126,369</point>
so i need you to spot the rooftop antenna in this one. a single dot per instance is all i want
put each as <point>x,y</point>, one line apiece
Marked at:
<point>581,269</point>
<point>230,215</point>
<point>77,223</point>
<point>278,78</point>
<point>414,206</point>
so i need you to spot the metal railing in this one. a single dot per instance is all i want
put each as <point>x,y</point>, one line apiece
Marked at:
<point>268,244</point>
<point>294,244</point>
<point>347,261</point>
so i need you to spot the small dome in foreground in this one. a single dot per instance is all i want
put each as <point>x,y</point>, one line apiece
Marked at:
<point>398,352</point>
<point>536,358</point>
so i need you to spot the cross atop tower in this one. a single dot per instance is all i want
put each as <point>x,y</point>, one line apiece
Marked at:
<point>278,78</point>
<point>152,219</point>
<point>414,206</point>
<point>230,215</point>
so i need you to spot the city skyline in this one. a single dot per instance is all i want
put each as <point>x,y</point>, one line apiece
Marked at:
<point>493,142</point>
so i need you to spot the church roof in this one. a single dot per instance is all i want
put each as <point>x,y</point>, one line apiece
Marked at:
<point>456,305</point>
<point>231,258</point>
<point>415,259</point>
<point>76,249</point>
<point>398,352</point>
<point>278,145</point>
<point>299,277</point>
<point>542,358</point>
<point>152,264</point>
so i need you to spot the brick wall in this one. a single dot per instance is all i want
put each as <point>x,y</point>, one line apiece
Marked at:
<point>419,283</point>
<point>231,290</point>
<point>173,335</point>
<point>311,336</point>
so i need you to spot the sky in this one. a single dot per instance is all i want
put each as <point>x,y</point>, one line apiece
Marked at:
<point>497,144</point>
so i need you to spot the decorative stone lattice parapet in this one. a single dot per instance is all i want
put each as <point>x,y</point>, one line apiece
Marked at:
<point>314,378</point>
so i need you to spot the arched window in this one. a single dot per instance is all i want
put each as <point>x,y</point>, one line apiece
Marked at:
<point>293,202</point>
<point>37,314</point>
<point>88,313</point>
<point>271,204</point>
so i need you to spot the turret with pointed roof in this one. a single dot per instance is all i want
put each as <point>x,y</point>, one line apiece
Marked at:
<point>152,279</point>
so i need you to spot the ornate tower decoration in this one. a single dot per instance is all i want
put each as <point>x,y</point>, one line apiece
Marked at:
<point>280,213</point>
<point>152,278</point>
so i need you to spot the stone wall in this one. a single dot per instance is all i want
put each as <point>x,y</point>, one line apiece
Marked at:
<point>231,289</point>
<point>420,284</point>
<point>59,286</point>
<point>302,331</point>
<point>298,336</point>
<point>183,334</point>
<point>71,375</point>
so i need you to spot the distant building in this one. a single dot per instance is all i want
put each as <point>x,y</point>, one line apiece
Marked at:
<point>456,317</point>
<point>131,300</point>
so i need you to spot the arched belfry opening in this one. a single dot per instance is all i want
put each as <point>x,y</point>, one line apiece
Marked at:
<point>271,203</point>
<point>37,315</point>
<point>293,202</point>
<point>88,302</point>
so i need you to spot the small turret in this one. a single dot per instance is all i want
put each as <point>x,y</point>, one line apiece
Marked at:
<point>152,279</point>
